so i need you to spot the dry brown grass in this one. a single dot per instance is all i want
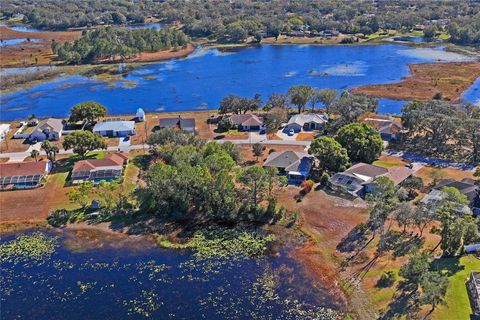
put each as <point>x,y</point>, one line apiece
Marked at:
<point>444,173</point>
<point>305,136</point>
<point>451,79</point>
<point>30,54</point>
<point>34,205</point>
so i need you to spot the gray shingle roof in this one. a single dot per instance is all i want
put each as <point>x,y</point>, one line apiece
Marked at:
<point>51,124</point>
<point>288,160</point>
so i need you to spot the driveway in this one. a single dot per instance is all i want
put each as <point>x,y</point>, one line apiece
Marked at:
<point>124,144</point>
<point>286,137</point>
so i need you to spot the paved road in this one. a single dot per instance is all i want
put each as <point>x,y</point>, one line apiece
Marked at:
<point>19,156</point>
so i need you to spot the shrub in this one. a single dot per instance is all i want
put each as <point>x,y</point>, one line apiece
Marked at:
<point>387,279</point>
<point>324,179</point>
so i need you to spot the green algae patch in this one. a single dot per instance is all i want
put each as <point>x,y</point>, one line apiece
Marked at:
<point>35,246</point>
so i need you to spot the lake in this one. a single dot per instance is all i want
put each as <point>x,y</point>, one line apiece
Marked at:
<point>202,79</point>
<point>91,277</point>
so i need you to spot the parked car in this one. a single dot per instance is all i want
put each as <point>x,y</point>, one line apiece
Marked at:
<point>291,132</point>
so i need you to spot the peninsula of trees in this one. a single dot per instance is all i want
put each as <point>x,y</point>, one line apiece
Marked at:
<point>117,44</point>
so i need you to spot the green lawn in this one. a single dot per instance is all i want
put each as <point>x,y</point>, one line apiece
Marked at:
<point>458,304</point>
<point>386,163</point>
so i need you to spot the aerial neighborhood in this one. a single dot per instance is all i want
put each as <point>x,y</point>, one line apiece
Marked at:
<point>246,159</point>
<point>96,162</point>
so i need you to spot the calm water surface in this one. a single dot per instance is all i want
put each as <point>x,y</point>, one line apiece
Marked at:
<point>202,79</point>
<point>142,281</point>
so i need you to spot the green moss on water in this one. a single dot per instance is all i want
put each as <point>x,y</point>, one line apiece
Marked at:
<point>35,246</point>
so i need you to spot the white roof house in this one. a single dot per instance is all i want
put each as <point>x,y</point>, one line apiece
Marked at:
<point>307,121</point>
<point>115,128</point>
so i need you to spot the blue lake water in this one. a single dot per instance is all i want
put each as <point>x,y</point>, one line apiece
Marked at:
<point>151,25</point>
<point>201,80</point>
<point>13,42</point>
<point>23,28</point>
<point>139,281</point>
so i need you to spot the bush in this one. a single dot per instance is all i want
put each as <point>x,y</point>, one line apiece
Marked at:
<point>324,179</point>
<point>387,279</point>
<point>225,124</point>
<point>307,186</point>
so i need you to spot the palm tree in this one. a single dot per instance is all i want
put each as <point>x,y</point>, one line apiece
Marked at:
<point>53,153</point>
<point>34,154</point>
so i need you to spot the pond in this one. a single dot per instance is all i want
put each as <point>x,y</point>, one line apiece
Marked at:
<point>151,25</point>
<point>202,79</point>
<point>13,42</point>
<point>50,276</point>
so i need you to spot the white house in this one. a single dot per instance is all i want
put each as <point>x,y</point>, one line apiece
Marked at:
<point>140,115</point>
<point>48,129</point>
<point>115,128</point>
<point>4,128</point>
<point>306,122</point>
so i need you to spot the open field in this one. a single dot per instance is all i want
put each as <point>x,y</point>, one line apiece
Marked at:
<point>457,300</point>
<point>427,79</point>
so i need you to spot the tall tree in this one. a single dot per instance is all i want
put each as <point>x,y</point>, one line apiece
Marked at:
<point>87,111</point>
<point>327,97</point>
<point>331,155</point>
<point>434,286</point>
<point>83,142</point>
<point>257,150</point>
<point>300,95</point>
<point>362,141</point>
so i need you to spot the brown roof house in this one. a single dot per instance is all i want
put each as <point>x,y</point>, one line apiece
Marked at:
<point>23,175</point>
<point>95,170</point>
<point>247,122</point>
<point>360,178</point>
<point>185,124</point>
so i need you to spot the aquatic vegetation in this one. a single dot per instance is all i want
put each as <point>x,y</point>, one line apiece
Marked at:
<point>223,274</point>
<point>35,246</point>
<point>145,305</point>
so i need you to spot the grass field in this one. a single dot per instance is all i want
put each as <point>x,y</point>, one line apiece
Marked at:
<point>458,303</point>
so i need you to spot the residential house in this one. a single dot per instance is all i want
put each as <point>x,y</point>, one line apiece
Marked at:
<point>187,124</point>
<point>389,129</point>
<point>23,175</point>
<point>95,170</point>
<point>467,187</point>
<point>116,128</point>
<point>360,178</point>
<point>48,129</point>
<point>247,122</point>
<point>294,164</point>
<point>306,122</point>
<point>140,115</point>
<point>473,288</point>
<point>4,129</point>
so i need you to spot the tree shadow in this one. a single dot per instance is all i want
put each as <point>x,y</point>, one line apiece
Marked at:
<point>402,304</point>
<point>449,264</point>
<point>357,238</point>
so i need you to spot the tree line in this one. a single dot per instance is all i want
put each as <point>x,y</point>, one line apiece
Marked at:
<point>443,130</point>
<point>117,44</point>
<point>235,22</point>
